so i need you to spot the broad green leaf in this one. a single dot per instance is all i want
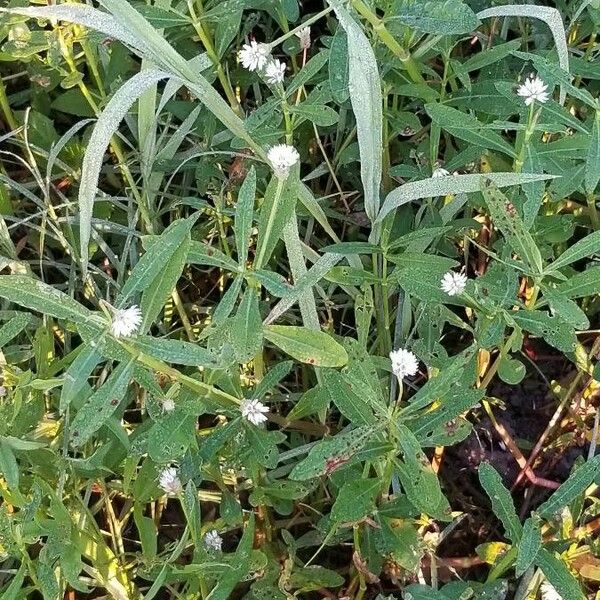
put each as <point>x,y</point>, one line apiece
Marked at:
<point>263,444</point>
<point>175,351</point>
<point>330,453</point>
<point>9,467</point>
<point>586,283</point>
<point>308,71</point>
<point>561,305</point>
<point>402,542</point>
<point>511,370</point>
<point>575,485</point>
<point>442,17</point>
<point>277,209</point>
<point>512,227</point>
<point>355,500</point>
<point>244,214</point>
<point>558,574</point>
<point>367,102</point>
<point>592,163</point>
<point>417,591</point>
<point>13,327</point>
<point>339,70</point>
<point>319,114</point>
<point>156,258</point>
<point>77,375</point>
<point>346,399</point>
<point>101,405</point>
<point>490,56</point>
<point>170,437</point>
<point>313,347</point>
<point>147,530</point>
<point>586,247</point>
<point>553,329</point>
<point>41,297</point>
<point>529,546</point>
<point>246,327</point>
<point>203,254</point>
<point>502,502</point>
<point>312,578</point>
<point>455,184</point>
<point>468,128</point>
<point>161,288</point>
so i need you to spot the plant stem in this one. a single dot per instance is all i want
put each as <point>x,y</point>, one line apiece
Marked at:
<point>6,109</point>
<point>306,23</point>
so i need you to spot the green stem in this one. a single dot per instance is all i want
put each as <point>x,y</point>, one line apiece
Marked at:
<point>6,109</point>
<point>306,23</point>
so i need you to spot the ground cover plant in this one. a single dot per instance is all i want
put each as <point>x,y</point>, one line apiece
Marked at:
<point>299,299</point>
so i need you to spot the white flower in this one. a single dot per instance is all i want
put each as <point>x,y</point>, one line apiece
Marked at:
<point>254,411</point>
<point>282,157</point>
<point>126,321</point>
<point>2,391</point>
<point>533,89</point>
<point>275,72</point>
<point>303,36</point>
<point>549,592</point>
<point>453,283</point>
<point>404,363</point>
<point>439,172</point>
<point>168,404</point>
<point>253,56</point>
<point>213,541</point>
<point>169,481</point>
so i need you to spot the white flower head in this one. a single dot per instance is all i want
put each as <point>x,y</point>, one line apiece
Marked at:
<point>126,321</point>
<point>303,36</point>
<point>454,283</point>
<point>2,391</point>
<point>169,481</point>
<point>213,541</point>
<point>282,157</point>
<point>533,89</point>
<point>439,172</point>
<point>275,72</point>
<point>254,56</point>
<point>168,404</point>
<point>254,411</point>
<point>404,363</point>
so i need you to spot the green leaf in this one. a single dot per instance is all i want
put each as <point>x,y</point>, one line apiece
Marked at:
<point>203,254</point>
<point>490,56</point>
<point>552,329</point>
<point>77,375</point>
<point>339,70</point>
<point>512,227</point>
<point>244,214</point>
<point>586,247</point>
<point>417,591</point>
<point>175,351</point>
<point>529,546</point>
<point>502,502</point>
<point>345,398</point>
<point>161,288</point>
<point>312,578</point>
<point>442,17</point>
<point>592,163</point>
<point>558,575</point>
<point>277,209</point>
<point>561,305</point>
<point>355,500</point>
<point>9,467</point>
<point>367,102</point>
<point>319,114</point>
<point>330,453</point>
<point>13,327</point>
<point>305,345</point>
<point>160,250</point>
<point>308,71</point>
<point>169,438</point>
<point>511,370</point>
<point>586,283</point>
<point>246,327</point>
<point>101,405</point>
<point>41,297</point>
<point>575,485</point>
<point>468,128</point>
<point>457,184</point>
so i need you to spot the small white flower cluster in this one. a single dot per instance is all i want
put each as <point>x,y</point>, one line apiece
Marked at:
<point>404,363</point>
<point>533,89</point>
<point>439,172</point>
<point>126,321</point>
<point>453,283</point>
<point>256,57</point>
<point>303,36</point>
<point>282,158</point>
<point>213,542</point>
<point>169,482</point>
<point>254,411</point>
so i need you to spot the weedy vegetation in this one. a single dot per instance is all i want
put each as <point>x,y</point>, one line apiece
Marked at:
<point>299,299</point>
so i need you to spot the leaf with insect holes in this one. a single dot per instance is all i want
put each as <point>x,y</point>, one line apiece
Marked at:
<point>305,345</point>
<point>246,327</point>
<point>355,500</point>
<point>101,405</point>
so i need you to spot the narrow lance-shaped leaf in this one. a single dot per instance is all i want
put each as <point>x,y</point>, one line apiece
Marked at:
<point>558,574</point>
<point>529,546</point>
<point>366,99</point>
<point>244,213</point>
<point>592,165</point>
<point>502,502</point>
<point>588,246</point>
